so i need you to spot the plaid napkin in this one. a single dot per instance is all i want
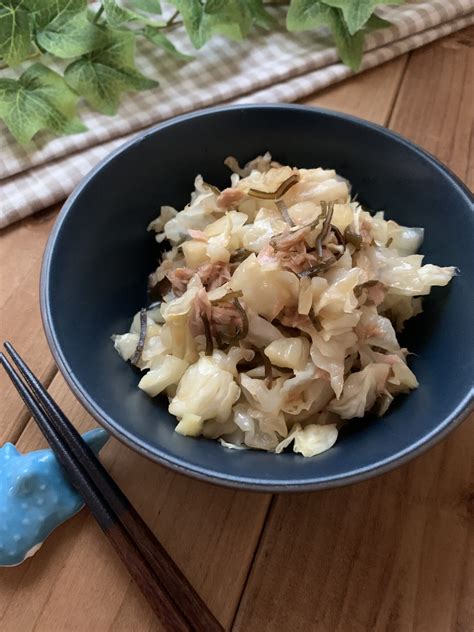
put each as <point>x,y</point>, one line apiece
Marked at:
<point>265,68</point>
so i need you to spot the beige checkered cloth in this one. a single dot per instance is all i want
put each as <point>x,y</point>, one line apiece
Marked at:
<point>266,68</point>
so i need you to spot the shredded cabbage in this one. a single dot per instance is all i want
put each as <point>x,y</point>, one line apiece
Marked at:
<point>278,316</point>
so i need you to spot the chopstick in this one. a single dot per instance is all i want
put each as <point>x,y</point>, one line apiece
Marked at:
<point>166,588</point>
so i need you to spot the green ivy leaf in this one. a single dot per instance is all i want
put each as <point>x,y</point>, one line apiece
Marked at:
<point>349,46</point>
<point>44,12</point>
<point>231,18</point>
<point>103,75</point>
<point>304,15</point>
<point>69,36</point>
<point>158,38</point>
<point>234,18</point>
<point>357,12</point>
<point>39,99</point>
<point>148,6</point>
<point>117,15</point>
<point>15,32</point>
<point>375,22</point>
<point>308,14</point>
<point>196,22</point>
<point>260,15</point>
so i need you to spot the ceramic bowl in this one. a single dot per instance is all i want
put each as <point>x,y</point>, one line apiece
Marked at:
<point>99,256</point>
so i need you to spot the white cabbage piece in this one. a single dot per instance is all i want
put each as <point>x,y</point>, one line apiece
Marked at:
<point>406,275</point>
<point>181,306</point>
<point>287,440</point>
<point>206,390</point>
<point>190,425</point>
<point>402,379</point>
<point>303,398</point>
<point>318,286</point>
<point>177,339</point>
<point>376,330</point>
<point>153,352</point>
<point>155,314</point>
<point>329,355</point>
<point>169,371</point>
<point>266,291</point>
<point>192,217</point>
<point>339,295</point>
<point>260,396</point>
<point>343,264</point>
<point>228,361</point>
<point>261,332</point>
<point>171,260</point>
<point>317,185</point>
<point>254,436</point>
<point>303,213</point>
<point>195,252</point>
<point>269,424</point>
<point>267,222</point>
<point>343,216</point>
<point>400,308</point>
<point>404,239</point>
<point>314,439</point>
<point>204,195</point>
<point>368,355</point>
<point>311,440</point>
<point>125,344</point>
<point>152,328</point>
<point>224,235</point>
<point>290,395</point>
<point>158,224</point>
<point>288,352</point>
<point>259,163</point>
<point>305,296</point>
<point>268,181</point>
<point>201,211</point>
<point>337,325</point>
<point>360,391</point>
<point>231,446</point>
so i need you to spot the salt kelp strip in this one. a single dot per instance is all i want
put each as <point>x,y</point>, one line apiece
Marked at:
<point>280,192</point>
<point>208,334</point>
<point>353,238</point>
<point>141,339</point>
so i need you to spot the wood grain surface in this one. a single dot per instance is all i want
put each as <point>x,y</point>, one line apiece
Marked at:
<point>21,251</point>
<point>394,553</point>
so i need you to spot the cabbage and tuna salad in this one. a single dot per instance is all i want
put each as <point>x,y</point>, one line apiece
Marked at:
<point>274,312</point>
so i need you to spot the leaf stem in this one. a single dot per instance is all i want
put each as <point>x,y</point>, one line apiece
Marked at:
<point>98,14</point>
<point>172,19</point>
<point>172,23</point>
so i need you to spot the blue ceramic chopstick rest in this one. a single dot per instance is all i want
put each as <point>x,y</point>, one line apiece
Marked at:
<point>35,498</point>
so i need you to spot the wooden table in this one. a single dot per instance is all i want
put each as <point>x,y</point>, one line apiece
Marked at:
<point>395,553</point>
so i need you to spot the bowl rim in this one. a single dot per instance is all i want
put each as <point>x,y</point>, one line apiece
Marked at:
<point>180,466</point>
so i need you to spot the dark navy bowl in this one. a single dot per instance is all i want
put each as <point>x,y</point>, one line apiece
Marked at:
<point>99,255</point>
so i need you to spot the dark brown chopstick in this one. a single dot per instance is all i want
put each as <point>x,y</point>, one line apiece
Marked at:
<point>166,588</point>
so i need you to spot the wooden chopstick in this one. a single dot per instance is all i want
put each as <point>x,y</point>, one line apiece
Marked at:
<point>166,588</point>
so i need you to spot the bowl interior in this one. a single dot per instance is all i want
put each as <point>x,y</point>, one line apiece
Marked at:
<point>99,256</point>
